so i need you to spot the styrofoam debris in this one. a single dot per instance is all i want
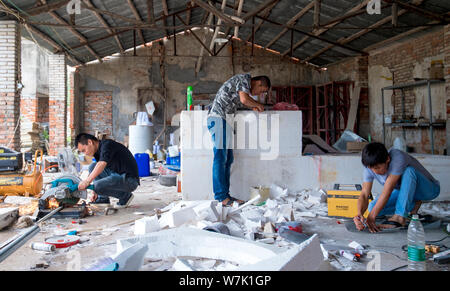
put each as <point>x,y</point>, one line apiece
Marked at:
<point>146,225</point>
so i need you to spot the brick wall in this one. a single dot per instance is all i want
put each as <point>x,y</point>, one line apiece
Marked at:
<point>98,112</point>
<point>9,77</point>
<point>57,102</point>
<point>406,60</point>
<point>43,114</point>
<point>401,61</point>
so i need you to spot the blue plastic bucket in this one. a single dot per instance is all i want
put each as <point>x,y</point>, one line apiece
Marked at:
<point>143,162</point>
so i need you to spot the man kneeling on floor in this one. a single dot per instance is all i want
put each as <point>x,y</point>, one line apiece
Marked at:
<point>115,174</point>
<point>406,184</point>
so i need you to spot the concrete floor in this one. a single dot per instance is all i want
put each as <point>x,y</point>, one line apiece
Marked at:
<point>100,233</point>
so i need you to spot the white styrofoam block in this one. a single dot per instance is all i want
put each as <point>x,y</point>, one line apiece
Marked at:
<point>290,170</point>
<point>249,255</point>
<point>146,225</point>
<point>8,216</point>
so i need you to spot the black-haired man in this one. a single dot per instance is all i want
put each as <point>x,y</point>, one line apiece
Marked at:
<point>406,184</point>
<point>115,172</point>
<point>239,89</point>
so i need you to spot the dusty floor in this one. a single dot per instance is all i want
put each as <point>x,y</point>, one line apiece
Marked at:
<point>99,234</point>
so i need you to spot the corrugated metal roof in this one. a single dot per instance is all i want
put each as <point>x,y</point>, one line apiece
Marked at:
<point>282,12</point>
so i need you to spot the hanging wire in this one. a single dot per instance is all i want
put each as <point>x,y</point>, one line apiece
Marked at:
<point>21,19</point>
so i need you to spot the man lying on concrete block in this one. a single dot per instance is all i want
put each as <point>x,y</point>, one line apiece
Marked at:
<point>406,184</point>
<point>115,174</point>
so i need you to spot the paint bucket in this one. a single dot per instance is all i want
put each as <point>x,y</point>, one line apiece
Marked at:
<point>140,138</point>
<point>42,247</point>
<point>264,192</point>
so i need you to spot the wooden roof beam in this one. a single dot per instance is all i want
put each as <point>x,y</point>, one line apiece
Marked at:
<point>291,21</point>
<point>317,32</point>
<point>138,18</point>
<point>225,18</point>
<point>105,24</point>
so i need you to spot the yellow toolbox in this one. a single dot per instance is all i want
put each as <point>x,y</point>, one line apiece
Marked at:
<point>344,203</point>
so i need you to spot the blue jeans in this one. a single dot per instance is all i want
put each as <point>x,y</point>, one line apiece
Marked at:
<point>112,184</point>
<point>414,187</point>
<point>223,157</point>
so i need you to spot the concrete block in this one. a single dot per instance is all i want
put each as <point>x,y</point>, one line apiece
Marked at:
<point>8,216</point>
<point>146,225</point>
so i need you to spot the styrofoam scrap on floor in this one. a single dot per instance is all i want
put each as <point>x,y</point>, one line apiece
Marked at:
<point>182,265</point>
<point>19,200</point>
<point>235,229</point>
<point>184,242</point>
<point>286,211</point>
<point>146,225</point>
<point>207,210</point>
<point>271,203</point>
<point>306,256</point>
<point>254,214</point>
<point>305,214</point>
<point>277,191</point>
<point>203,264</point>
<point>249,202</point>
<point>251,225</point>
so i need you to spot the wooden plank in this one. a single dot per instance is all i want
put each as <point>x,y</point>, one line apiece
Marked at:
<point>354,102</point>
<point>105,24</point>
<point>46,8</point>
<point>320,31</point>
<point>138,18</point>
<point>291,21</point>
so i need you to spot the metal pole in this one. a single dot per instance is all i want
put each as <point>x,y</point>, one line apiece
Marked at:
<point>10,248</point>
<point>382,110</point>
<point>431,118</point>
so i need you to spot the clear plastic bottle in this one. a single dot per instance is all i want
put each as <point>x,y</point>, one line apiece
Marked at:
<point>416,245</point>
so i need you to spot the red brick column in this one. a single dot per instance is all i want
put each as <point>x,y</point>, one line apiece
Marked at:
<point>57,102</point>
<point>9,78</point>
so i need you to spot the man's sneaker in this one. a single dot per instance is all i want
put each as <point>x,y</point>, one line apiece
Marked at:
<point>124,205</point>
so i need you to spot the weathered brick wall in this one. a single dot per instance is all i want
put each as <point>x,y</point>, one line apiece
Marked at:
<point>402,61</point>
<point>9,77</point>
<point>57,102</point>
<point>447,80</point>
<point>407,60</point>
<point>42,114</point>
<point>98,112</point>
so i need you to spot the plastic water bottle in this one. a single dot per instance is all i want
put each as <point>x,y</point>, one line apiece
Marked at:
<point>190,105</point>
<point>416,245</point>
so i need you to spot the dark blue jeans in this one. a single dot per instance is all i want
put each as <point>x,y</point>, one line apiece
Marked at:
<point>223,157</point>
<point>414,187</point>
<point>112,184</point>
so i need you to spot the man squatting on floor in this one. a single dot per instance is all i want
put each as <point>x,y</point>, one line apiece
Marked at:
<point>115,174</point>
<point>406,184</point>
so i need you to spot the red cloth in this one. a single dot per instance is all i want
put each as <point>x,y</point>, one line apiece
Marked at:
<point>281,106</point>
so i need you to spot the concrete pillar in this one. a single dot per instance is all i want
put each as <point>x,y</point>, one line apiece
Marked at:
<point>57,102</point>
<point>9,79</point>
<point>447,80</point>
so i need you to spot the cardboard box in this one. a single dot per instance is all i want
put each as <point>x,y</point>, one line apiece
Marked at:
<point>344,203</point>
<point>355,146</point>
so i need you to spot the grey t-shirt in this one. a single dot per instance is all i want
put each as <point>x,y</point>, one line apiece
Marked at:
<point>399,162</point>
<point>227,98</point>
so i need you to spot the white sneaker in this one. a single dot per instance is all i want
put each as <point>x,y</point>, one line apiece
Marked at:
<point>118,206</point>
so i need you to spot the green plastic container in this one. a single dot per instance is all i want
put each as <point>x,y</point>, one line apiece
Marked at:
<point>190,105</point>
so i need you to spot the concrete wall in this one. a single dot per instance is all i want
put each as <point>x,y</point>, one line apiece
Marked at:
<point>135,80</point>
<point>289,170</point>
